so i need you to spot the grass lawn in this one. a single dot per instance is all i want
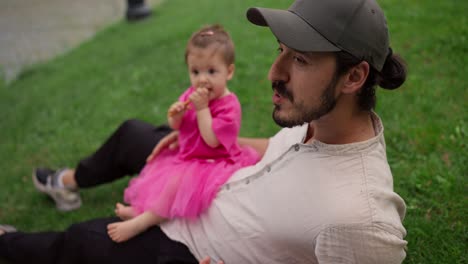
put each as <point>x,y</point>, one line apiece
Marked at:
<point>60,111</point>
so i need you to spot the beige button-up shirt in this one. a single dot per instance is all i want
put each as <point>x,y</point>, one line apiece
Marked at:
<point>303,203</point>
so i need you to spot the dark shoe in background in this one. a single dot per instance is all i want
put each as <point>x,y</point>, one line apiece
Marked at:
<point>137,10</point>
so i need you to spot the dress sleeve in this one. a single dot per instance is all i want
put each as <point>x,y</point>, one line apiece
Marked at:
<point>360,244</point>
<point>226,123</point>
<point>184,96</point>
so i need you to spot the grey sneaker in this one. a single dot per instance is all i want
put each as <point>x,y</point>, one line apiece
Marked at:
<point>45,180</point>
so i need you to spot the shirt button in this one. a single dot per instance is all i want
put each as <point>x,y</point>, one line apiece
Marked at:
<point>227,187</point>
<point>268,168</point>
<point>247,181</point>
<point>296,147</point>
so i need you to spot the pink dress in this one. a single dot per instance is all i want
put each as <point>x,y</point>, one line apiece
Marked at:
<point>183,182</point>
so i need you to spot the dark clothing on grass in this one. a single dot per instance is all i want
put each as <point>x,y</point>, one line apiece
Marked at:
<point>89,243</point>
<point>124,153</point>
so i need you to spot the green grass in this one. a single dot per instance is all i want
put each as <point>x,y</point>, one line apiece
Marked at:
<point>60,111</point>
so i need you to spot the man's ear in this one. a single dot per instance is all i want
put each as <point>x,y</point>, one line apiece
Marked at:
<point>356,77</point>
<point>231,69</point>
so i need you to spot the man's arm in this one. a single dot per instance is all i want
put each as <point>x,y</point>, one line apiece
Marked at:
<point>360,244</point>
<point>170,141</point>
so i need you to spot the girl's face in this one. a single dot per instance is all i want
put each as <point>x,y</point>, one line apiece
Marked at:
<point>208,69</point>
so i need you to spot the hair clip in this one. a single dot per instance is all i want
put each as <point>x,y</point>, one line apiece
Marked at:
<point>207,33</point>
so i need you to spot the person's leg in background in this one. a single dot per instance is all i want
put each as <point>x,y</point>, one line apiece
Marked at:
<point>124,153</point>
<point>88,242</point>
<point>137,10</point>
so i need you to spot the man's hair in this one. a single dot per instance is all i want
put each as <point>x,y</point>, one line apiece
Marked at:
<point>212,35</point>
<point>392,76</point>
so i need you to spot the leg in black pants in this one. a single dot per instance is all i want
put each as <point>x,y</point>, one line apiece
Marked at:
<point>88,242</point>
<point>124,153</point>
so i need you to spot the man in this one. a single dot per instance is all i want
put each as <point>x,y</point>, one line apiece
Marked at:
<point>322,192</point>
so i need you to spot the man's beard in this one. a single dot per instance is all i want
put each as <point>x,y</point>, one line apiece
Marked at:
<point>300,113</point>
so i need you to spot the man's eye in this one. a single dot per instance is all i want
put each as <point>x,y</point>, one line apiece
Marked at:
<point>299,59</point>
<point>280,49</point>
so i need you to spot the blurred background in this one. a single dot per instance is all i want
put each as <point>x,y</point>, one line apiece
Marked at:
<point>33,31</point>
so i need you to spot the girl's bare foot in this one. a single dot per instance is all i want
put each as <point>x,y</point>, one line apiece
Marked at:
<point>124,212</point>
<point>123,231</point>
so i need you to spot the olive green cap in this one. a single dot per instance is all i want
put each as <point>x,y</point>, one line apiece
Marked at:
<point>358,27</point>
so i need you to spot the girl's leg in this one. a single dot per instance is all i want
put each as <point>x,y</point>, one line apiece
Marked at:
<point>124,212</point>
<point>123,231</point>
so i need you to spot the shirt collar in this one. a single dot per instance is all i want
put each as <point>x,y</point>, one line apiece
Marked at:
<point>351,147</point>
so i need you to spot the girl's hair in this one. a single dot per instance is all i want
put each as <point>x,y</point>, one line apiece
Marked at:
<point>392,76</point>
<point>212,35</point>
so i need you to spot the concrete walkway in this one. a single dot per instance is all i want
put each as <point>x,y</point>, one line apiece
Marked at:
<point>34,31</point>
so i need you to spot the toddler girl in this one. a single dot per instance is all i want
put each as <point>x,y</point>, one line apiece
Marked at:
<point>184,181</point>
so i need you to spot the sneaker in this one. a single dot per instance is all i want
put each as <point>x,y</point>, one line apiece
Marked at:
<point>46,181</point>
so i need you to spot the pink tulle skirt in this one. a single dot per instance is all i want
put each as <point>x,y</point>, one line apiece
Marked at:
<point>171,187</point>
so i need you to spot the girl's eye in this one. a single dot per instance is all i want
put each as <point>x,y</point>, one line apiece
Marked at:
<point>211,71</point>
<point>195,72</point>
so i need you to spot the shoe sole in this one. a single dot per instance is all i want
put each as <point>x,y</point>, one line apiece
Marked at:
<point>64,207</point>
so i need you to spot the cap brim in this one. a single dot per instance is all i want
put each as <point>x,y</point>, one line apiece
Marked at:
<point>290,29</point>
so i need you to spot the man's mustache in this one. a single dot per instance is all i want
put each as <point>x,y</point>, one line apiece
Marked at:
<point>280,88</point>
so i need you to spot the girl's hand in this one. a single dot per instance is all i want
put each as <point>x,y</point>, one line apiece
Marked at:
<point>169,141</point>
<point>177,108</point>
<point>207,260</point>
<point>200,98</point>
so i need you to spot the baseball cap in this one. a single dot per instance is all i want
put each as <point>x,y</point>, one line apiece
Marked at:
<point>358,27</point>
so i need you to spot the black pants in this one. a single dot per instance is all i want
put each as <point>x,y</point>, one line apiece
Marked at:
<point>122,154</point>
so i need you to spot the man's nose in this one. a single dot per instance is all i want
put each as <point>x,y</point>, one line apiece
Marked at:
<point>279,70</point>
